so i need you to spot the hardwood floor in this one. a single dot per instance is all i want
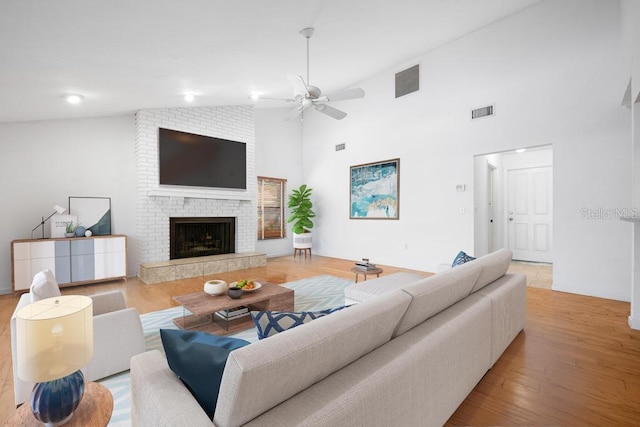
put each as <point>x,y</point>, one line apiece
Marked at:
<point>576,363</point>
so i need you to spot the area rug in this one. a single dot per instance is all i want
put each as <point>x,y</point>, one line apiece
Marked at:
<point>315,293</point>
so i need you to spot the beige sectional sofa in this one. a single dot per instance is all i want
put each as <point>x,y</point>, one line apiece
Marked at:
<point>409,356</point>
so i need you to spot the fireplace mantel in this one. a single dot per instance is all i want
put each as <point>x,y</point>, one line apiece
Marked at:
<point>201,194</point>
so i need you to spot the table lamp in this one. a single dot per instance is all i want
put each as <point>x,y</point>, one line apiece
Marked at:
<point>55,340</point>
<point>58,210</point>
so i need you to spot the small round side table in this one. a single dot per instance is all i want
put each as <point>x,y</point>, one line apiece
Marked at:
<point>95,410</point>
<point>357,270</point>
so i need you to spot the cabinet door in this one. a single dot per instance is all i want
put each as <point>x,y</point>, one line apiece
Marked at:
<point>82,260</point>
<point>63,261</point>
<point>30,258</point>
<point>21,252</point>
<point>110,257</point>
<point>43,257</point>
<point>21,274</point>
<point>42,249</point>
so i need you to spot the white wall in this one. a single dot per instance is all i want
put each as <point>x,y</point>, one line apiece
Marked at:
<point>42,163</point>
<point>553,72</point>
<point>278,155</point>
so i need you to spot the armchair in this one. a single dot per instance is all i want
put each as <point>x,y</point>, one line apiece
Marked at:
<point>117,334</point>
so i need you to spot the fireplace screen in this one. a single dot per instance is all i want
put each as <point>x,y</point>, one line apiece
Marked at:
<point>194,237</point>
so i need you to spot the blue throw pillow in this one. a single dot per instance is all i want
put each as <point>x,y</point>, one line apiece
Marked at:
<point>461,258</point>
<point>269,323</point>
<point>198,359</point>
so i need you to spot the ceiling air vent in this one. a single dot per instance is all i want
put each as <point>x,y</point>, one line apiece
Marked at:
<point>478,113</point>
<point>408,81</point>
<point>340,147</point>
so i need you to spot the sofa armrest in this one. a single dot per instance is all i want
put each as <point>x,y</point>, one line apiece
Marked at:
<point>159,398</point>
<point>106,302</point>
<point>21,389</point>
<point>117,336</point>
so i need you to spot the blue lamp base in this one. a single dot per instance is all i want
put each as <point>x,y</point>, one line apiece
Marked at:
<point>53,402</point>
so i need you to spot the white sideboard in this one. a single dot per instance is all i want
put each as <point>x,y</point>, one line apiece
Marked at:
<point>73,261</point>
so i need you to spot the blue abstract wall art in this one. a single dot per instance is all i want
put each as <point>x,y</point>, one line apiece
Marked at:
<point>375,189</point>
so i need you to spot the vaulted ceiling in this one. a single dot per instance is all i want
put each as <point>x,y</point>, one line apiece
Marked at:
<point>126,55</point>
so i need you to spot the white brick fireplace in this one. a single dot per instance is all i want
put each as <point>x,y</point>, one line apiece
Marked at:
<point>156,205</point>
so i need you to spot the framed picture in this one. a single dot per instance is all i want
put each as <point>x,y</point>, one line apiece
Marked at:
<point>375,190</point>
<point>94,213</point>
<point>58,224</point>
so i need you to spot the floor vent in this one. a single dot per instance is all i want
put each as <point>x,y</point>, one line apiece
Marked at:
<point>340,147</point>
<point>482,112</point>
<point>408,81</point>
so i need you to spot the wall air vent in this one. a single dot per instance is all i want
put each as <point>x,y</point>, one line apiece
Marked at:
<point>478,113</point>
<point>340,147</point>
<point>408,81</point>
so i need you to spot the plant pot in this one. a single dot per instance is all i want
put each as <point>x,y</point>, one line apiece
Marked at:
<point>215,287</point>
<point>302,241</point>
<point>234,292</point>
<point>69,234</point>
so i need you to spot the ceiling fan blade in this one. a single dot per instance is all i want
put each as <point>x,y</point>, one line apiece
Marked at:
<point>299,86</point>
<point>265,98</point>
<point>330,111</point>
<point>293,114</point>
<point>346,94</point>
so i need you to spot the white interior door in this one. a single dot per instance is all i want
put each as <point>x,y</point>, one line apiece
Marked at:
<point>529,213</point>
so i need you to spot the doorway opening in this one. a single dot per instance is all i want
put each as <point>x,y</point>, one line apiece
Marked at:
<point>513,198</point>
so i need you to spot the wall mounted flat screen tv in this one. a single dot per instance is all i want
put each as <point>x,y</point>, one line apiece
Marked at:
<point>201,161</point>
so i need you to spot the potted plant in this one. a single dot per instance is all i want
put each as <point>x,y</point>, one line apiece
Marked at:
<point>301,214</point>
<point>69,230</point>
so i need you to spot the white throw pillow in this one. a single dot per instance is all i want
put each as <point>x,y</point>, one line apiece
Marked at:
<point>44,285</point>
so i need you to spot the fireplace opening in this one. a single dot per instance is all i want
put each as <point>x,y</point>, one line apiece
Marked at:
<point>201,236</point>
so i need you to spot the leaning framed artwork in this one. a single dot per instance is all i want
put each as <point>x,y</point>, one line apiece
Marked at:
<point>94,213</point>
<point>375,190</point>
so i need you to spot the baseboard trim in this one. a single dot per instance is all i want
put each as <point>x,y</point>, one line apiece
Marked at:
<point>634,323</point>
<point>592,293</point>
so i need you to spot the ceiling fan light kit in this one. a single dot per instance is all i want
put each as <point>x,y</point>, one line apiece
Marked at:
<point>306,95</point>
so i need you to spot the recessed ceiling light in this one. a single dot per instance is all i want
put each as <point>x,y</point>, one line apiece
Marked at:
<point>254,96</point>
<point>189,97</point>
<point>521,150</point>
<point>74,98</point>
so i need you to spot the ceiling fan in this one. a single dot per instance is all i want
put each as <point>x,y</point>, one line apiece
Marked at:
<point>307,96</point>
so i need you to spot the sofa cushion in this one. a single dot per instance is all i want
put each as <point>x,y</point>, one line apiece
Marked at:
<point>494,266</point>
<point>268,372</point>
<point>432,295</point>
<point>269,323</point>
<point>43,286</point>
<point>198,359</point>
<point>461,258</point>
<point>364,291</point>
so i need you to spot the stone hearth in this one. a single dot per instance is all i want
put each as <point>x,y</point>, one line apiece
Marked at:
<point>176,269</point>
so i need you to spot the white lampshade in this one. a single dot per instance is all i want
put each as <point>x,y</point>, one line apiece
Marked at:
<point>54,337</point>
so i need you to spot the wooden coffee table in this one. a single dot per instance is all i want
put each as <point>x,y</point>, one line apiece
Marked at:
<point>203,308</point>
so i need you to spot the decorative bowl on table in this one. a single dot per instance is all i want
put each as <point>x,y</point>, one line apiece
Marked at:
<point>215,287</point>
<point>247,285</point>
<point>234,292</point>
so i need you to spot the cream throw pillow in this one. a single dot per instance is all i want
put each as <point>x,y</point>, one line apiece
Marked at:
<point>44,285</point>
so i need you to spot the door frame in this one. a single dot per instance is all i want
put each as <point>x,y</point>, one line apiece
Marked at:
<point>498,160</point>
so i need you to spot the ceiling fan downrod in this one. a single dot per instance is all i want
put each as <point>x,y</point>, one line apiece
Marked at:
<point>307,33</point>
